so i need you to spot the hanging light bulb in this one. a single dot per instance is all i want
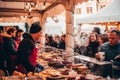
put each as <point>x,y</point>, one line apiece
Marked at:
<point>44,5</point>
<point>30,9</point>
<point>0,18</point>
<point>116,23</point>
<point>13,17</point>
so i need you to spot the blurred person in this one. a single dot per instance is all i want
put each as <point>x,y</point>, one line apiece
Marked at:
<point>62,42</point>
<point>1,32</point>
<point>10,49</point>
<point>2,57</point>
<point>112,53</point>
<point>77,48</point>
<point>83,39</point>
<point>18,36</point>
<point>27,51</point>
<point>56,41</point>
<point>97,30</point>
<point>83,42</point>
<point>46,39</point>
<point>103,38</point>
<point>112,47</point>
<point>93,45</point>
<point>92,49</point>
<point>2,53</point>
<point>51,41</point>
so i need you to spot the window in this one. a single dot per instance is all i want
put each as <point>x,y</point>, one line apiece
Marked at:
<point>89,10</point>
<point>78,11</point>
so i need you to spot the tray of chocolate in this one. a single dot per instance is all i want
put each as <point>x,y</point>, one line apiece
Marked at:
<point>33,78</point>
<point>54,75</point>
<point>64,71</point>
<point>56,64</point>
<point>94,77</point>
<point>75,66</point>
<point>55,78</point>
<point>48,49</point>
<point>13,78</point>
<point>2,78</point>
<point>66,63</point>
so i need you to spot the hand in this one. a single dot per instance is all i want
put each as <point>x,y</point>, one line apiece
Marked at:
<point>37,69</point>
<point>40,66</point>
<point>117,57</point>
<point>97,56</point>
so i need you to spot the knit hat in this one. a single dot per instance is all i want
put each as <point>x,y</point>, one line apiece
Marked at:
<point>35,27</point>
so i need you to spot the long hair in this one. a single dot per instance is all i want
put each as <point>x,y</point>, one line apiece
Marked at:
<point>96,35</point>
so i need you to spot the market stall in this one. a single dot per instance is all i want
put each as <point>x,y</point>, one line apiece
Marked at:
<point>56,68</point>
<point>107,15</point>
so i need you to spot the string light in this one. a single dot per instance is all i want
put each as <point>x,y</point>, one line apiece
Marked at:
<point>0,18</point>
<point>44,5</point>
<point>116,23</point>
<point>23,17</point>
<point>29,6</point>
<point>13,17</point>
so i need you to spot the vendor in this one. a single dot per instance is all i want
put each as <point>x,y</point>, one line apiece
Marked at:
<point>27,51</point>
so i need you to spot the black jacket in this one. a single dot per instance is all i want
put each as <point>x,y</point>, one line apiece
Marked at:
<point>62,45</point>
<point>9,51</point>
<point>24,51</point>
<point>2,54</point>
<point>92,49</point>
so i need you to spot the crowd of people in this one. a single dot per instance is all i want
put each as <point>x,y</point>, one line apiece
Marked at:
<point>97,42</point>
<point>91,44</point>
<point>19,54</point>
<point>18,48</point>
<point>55,41</point>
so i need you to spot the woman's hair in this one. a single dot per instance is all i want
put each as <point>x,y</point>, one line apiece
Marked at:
<point>96,35</point>
<point>18,31</point>
<point>104,37</point>
<point>10,30</point>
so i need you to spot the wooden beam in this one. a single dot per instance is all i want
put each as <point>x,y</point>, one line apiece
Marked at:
<point>18,0</point>
<point>17,13</point>
<point>17,10</point>
<point>50,7</point>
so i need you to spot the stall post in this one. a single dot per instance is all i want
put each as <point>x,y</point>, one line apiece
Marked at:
<point>69,6</point>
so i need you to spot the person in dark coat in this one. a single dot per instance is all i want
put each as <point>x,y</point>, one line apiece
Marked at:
<point>62,42</point>
<point>9,49</point>
<point>112,47</point>
<point>93,45</point>
<point>27,51</point>
<point>18,36</point>
<point>2,58</point>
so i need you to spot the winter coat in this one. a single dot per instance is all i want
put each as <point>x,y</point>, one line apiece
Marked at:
<point>92,49</point>
<point>9,52</point>
<point>27,53</point>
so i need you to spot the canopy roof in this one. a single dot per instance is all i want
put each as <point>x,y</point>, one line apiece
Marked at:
<point>110,13</point>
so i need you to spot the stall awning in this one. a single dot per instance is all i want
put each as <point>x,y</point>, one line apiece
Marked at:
<point>110,13</point>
